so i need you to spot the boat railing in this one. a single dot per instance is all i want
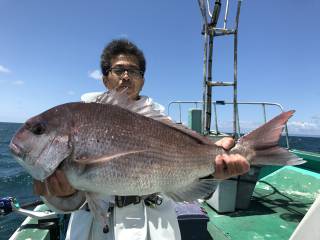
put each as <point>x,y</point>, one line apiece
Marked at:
<point>199,104</point>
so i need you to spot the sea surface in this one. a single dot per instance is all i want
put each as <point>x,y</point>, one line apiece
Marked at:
<point>14,181</point>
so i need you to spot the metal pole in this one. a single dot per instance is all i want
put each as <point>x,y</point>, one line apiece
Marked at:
<point>205,86</point>
<point>264,113</point>
<point>226,15</point>
<point>180,112</point>
<point>208,88</point>
<point>238,124</point>
<point>235,87</point>
<point>287,138</point>
<point>216,13</point>
<point>216,117</point>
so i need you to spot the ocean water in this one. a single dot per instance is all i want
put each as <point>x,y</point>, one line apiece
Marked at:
<point>14,181</point>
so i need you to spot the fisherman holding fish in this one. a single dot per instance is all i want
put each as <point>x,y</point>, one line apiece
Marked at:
<point>126,198</point>
<point>123,66</point>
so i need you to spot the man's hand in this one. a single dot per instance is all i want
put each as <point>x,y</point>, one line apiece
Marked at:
<point>227,166</point>
<point>56,185</point>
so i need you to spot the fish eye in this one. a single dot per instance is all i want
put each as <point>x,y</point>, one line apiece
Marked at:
<point>38,128</point>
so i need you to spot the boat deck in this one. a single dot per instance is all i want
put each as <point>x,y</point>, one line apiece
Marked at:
<point>279,202</point>
<point>45,229</point>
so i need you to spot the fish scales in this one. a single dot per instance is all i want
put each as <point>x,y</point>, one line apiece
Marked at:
<point>169,159</point>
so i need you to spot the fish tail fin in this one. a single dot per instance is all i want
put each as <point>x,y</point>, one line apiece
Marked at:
<point>260,146</point>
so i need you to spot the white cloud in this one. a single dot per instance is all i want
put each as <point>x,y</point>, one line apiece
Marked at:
<point>311,127</point>
<point>95,74</point>
<point>124,35</point>
<point>4,69</point>
<point>70,92</point>
<point>18,82</point>
<point>303,125</point>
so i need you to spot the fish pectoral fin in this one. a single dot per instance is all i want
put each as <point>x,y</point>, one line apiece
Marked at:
<point>199,189</point>
<point>65,204</point>
<point>106,158</point>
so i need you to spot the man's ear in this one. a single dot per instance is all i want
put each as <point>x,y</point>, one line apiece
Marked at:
<point>105,81</point>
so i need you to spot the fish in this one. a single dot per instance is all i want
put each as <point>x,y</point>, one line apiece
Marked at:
<point>126,147</point>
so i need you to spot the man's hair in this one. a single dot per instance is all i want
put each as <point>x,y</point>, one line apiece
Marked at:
<point>117,47</point>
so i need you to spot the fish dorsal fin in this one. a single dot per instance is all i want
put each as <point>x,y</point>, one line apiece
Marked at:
<point>181,128</point>
<point>268,134</point>
<point>146,107</point>
<point>143,106</point>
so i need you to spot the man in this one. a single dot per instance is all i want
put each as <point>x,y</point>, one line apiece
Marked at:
<point>123,66</point>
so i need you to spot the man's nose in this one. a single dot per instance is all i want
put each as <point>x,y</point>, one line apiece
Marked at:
<point>125,76</point>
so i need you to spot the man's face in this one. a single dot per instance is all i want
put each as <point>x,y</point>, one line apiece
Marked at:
<point>125,73</point>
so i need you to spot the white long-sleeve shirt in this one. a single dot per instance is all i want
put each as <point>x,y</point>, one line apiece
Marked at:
<point>134,222</point>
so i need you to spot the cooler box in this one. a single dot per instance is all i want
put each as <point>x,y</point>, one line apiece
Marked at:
<point>192,221</point>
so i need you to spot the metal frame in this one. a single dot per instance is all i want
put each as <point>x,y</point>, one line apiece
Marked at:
<point>210,31</point>
<point>215,103</point>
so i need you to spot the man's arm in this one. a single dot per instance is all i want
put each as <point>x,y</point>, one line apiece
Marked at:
<point>227,166</point>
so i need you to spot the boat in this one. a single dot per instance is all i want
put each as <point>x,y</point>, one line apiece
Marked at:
<point>268,202</point>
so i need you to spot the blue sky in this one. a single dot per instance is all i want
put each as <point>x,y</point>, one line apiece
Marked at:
<point>49,54</point>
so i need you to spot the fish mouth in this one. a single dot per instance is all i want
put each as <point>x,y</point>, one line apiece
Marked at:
<point>34,169</point>
<point>17,150</point>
